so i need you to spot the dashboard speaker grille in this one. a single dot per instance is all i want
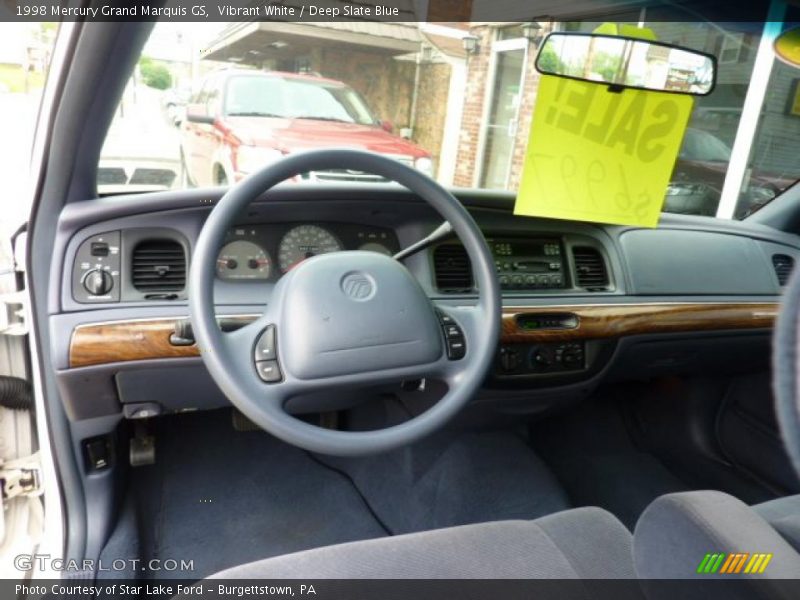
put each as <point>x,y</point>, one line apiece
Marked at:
<point>783,264</point>
<point>452,268</point>
<point>158,266</point>
<point>590,269</point>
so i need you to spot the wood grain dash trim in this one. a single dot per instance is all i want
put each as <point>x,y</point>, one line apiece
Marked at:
<point>123,341</point>
<point>618,320</point>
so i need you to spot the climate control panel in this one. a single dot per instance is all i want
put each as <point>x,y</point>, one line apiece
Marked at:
<point>541,358</point>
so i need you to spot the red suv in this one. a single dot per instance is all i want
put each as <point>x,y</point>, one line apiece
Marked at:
<point>241,120</point>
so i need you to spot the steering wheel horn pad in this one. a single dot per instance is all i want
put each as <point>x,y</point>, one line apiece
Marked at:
<point>346,320</point>
<point>354,312</point>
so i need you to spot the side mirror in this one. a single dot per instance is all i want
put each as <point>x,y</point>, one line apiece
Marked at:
<point>625,62</point>
<point>193,115</point>
<point>387,126</point>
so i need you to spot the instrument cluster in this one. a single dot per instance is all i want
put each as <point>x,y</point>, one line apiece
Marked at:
<point>264,252</point>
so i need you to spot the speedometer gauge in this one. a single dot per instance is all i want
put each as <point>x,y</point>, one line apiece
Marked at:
<point>303,242</point>
<point>243,260</point>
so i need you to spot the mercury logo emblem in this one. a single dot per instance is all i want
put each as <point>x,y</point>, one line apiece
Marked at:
<point>358,286</point>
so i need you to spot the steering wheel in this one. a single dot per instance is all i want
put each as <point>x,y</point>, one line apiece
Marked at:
<point>786,368</point>
<point>345,319</point>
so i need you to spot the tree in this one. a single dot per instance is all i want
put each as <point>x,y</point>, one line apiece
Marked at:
<point>154,75</point>
<point>549,62</point>
<point>608,66</point>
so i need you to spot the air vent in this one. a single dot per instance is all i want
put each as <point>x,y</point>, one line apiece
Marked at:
<point>590,269</point>
<point>783,265</point>
<point>158,266</point>
<point>452,268</point>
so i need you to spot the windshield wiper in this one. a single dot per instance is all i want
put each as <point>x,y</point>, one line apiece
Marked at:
<point>333,119</point>
<point>254,114</point>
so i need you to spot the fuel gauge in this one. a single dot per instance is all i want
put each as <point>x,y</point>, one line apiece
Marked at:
<point>243,260</point>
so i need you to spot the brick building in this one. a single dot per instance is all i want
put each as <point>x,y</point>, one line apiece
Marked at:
<point>498,103</point>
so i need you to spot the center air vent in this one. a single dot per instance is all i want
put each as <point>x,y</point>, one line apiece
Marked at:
<point>590,269</point>
<point>783,265</point>
<point>452,268</point>
<point>158,266</point>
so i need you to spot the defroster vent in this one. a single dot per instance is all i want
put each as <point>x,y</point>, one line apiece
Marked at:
<point>158,266</point>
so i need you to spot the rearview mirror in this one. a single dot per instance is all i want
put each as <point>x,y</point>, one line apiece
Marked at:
<point>624,62</point>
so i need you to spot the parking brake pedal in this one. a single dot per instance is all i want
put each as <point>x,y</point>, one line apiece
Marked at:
<point>142,447</point>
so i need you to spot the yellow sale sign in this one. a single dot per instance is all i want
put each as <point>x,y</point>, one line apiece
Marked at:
<point>601,156</point>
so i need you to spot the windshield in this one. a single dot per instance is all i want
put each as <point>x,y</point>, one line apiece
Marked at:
<point>253,95</point>
<point>454,100</point>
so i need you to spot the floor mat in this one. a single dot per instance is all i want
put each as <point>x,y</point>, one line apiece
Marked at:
<point>454,479</point>
<point>624,484</point>
<point>221,498</point>
<point>592,456</point>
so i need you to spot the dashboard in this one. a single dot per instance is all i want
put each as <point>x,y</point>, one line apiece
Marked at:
<point>582,303</point>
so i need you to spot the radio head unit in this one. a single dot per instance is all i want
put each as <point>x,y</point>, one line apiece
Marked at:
<point>529,263</point>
